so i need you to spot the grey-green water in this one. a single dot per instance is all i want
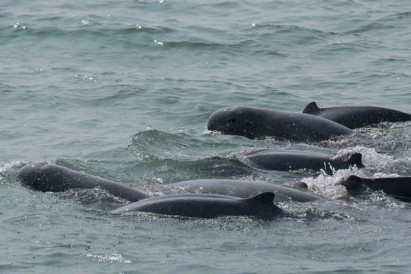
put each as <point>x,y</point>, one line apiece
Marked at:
<point>124,89</point>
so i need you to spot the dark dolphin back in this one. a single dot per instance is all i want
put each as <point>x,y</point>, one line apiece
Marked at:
<point>357,116</point>
<point>298,160</point>
<point>396,186</point>
<point>259,123</point>
<point>46,177</point>
<point>302,127</point>
<point>206,206</point>
<point>245,189</point>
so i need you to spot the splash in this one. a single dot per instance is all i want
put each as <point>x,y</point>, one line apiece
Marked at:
<point>376,162</point>
<point>114,258</point>
<point>330,186</point>
<point>18,26</point>
<point>5,167</point>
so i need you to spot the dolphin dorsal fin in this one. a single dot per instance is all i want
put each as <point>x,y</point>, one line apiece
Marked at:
<point>353,182</point>
<point>356,159</point>
<point>263,198</point>
<point>311,108</point>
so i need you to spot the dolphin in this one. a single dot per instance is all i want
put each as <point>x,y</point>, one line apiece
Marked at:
<point>259,123</point>
<point>395,186</point>
<point>244,189</point>
<point>206,206</point>
<point>357,116</point>
<point>47,177</point>
<point>269,159</point>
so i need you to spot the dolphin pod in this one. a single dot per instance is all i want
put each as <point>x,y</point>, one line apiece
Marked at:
<point>357,116</point>
<point>206,206</point>
<point>244,199</point>
<point>395,186</point>
<point>210,198</point>
<point>258,123</point>
<point>269,159</point>
<point>46,177</point>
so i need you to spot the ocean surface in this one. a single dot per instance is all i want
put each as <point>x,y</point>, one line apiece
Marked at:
<point>124,89</point>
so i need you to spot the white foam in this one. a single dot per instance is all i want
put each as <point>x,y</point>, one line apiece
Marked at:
<point>117,258</point>
<point>380,162</point>
<point>330,186</point>
<point>6,166</point>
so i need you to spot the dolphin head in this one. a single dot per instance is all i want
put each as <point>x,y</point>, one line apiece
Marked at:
<point>236,120</point>
<point>35,175</point>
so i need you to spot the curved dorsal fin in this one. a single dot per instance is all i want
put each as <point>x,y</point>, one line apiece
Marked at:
<point>356,159</point>
<point>353,182</point>
<point>263,198</point>
<point>311,108</point>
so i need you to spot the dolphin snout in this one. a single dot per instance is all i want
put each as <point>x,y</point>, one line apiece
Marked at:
<point>29,174</point>
<point>217,120</point>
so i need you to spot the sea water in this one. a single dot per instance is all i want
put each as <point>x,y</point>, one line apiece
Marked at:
<point>123,90</point>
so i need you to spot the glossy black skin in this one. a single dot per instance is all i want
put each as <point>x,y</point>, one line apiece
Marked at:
<point>357,116</point>
<point>244,189</point>
<point>46,177</point>
<point>298,160</point>
<point>395,186</point>
<point>206,206</point>
<point>259,123</point>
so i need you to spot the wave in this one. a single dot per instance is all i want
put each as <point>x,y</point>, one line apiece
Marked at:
<point>75,32</point>
<point>182,145</point>
<point>385,24</point>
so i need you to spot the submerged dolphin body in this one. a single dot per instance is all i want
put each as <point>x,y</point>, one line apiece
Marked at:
<point>357,116</point>
<point>245,189</point>
<point>206,206</point>
<point>269,159</point>
<point>396,186</point>
<point>47,177</point>
<point>258,123</point>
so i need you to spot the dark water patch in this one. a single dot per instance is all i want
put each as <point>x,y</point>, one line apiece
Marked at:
<point>284,40</point>
<point>394,60</point>
<point>169,171</point>
<point>374,27</point>
<point>135,35</point>
<point>230,48</point>
<point>6,88</point>
<point>388,26</point>
<point>104,168</point>
<point>200,45</point>
<point>181,145</point>
<point>147,170</point>
<point>338,49</point>
<point>304,34</point>
<point>225,5</point>
<point>400,19</point>
<point>111,96</point>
